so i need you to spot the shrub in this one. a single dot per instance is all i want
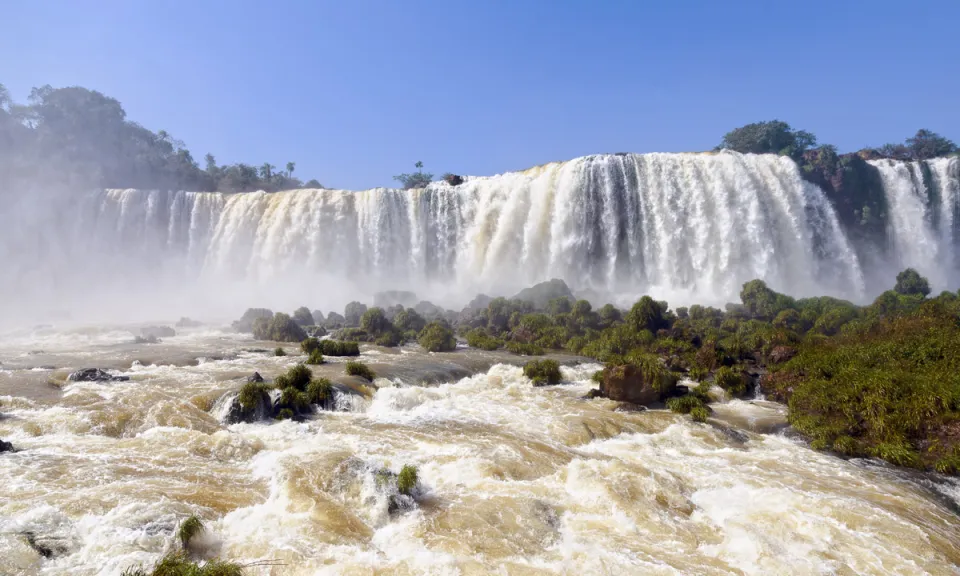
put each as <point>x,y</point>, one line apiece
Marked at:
<point>189,528</point>
<point>280,328</point>
<point>245,323</point>
<point>373,321</point>
<point>296,377</point>
<point>285,414</point>
<point>684,404</point>
<point>731,380</point>
<point>453,179</point>
<point>409,320</point>
<point>339,348</point>
<point>479,338</point>
<point>360,369</point>
<point>319,390</point>
<point>542,372</point>
<point>436,337</point>
<point>316,358</point>
<point>390,338</point>
<point>295,400</point>
<point>699,413</point>
<point>576,344</point>
<point>698,373</point>
<point>179,564</point>
<point>303,316</point>
<point>407,479</point>
<point>309,345</point>
<point>279,351</point>
<point>523,349</point>
<point>253,393</point>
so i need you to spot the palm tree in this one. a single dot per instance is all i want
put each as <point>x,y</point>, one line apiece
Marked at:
<point>290,167</point>
<point>266,171</point>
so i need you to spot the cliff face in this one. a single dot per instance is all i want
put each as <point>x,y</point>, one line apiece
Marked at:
<point>855,189</point>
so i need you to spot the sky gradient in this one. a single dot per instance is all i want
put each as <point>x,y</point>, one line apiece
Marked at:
<point>355,92</point>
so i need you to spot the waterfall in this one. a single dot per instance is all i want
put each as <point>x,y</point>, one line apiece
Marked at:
<point>923,201</point>
<point>680,226</point>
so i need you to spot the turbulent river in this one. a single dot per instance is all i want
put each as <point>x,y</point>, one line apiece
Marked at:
<point>513,479</point>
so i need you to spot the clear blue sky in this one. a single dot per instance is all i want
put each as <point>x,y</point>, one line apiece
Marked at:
<point>356,91</point>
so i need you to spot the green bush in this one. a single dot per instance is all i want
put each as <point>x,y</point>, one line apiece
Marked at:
<point>698,374</point>
<point>179,564</point>
<point>523,349</point>
<point>188,529</point>
<point>407,479</point>
<point>478,338</point>
<point>409,321</point>
<point>280,328</point>
<point>542,372</point>
<point>253,393</point>
<point>684,404</point>
<point>339,348</point>
<point>373,321</point>
<point>731,380</point>
<point>699,413</point>
<point>285,414</point>
<point>390,338</point>
<point>296,377</point>
<point>360,369</point>
<point>436,337</point>
<point>295,400</point>
<point>319,390</point>
<point>279,352</point>
<point>315,358</point>
<point>309,345</point>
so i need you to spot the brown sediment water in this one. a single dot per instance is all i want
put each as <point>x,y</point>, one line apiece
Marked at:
<point>514,479</point>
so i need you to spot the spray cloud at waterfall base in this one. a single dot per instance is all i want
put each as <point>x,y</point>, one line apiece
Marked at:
<point>682,227</point>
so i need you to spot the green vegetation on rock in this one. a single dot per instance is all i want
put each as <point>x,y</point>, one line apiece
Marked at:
<point>436,337</point>
<point>360,369</point>
<point>542,372</point>
<point>279,328</point>
<point>407,479</point>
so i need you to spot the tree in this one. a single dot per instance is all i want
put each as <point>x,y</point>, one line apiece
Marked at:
<point>313,183</point>
<point>418,179</point>
<point>926,144</point>
<point>773,137</point>
<point>211,163</point>
<point>266,171</point>
<point>910,282</point>
<point>290,167</point>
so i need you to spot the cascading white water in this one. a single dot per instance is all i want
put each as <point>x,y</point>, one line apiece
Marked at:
<point>680,226</point>
<point>922,216</point>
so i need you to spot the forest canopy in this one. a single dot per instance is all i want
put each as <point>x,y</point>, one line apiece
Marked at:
<point>82,137</point>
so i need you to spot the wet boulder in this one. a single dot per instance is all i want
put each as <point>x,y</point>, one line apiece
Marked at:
<point>255,377</point>
<point>626,384</point>
<point>5,446</point>
<point>95,375</point>
<point>156,332</point>
<point>253,403</point>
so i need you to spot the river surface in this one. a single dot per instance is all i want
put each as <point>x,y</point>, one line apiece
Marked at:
<point>513,479</point>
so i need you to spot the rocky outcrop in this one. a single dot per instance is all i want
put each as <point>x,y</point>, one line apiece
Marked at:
<point>185,322</point>
<point>334,321</point>
<point>245,323</point>
<point>280,328</point>
<point>5,446</point>
<point>626,384</point>
<point>318,318</point>
<point>95,375</point>
<point>156,332</point>
<point>540,294</point>
<point>853,186</point>
<point>255,377</point>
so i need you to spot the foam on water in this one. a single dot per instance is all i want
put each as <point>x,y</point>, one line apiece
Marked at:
<point>513,479</point>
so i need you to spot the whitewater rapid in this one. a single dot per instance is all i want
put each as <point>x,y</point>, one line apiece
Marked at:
<point>514,479</point>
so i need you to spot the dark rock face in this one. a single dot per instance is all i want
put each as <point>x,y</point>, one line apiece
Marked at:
<point>231,411</point>
<point>47,547</point>
<point>5,446</point>
<point>317,331</point>
<point>157,332</point>
<point>353,312</point>
<point>393,298</point>
<point>626,384</point>
<point>95,375</point>
<point>853,186</point>
<point>479,302</point>
<point>453,179</point>
<point>255,377</point>
<point>540,294</point>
